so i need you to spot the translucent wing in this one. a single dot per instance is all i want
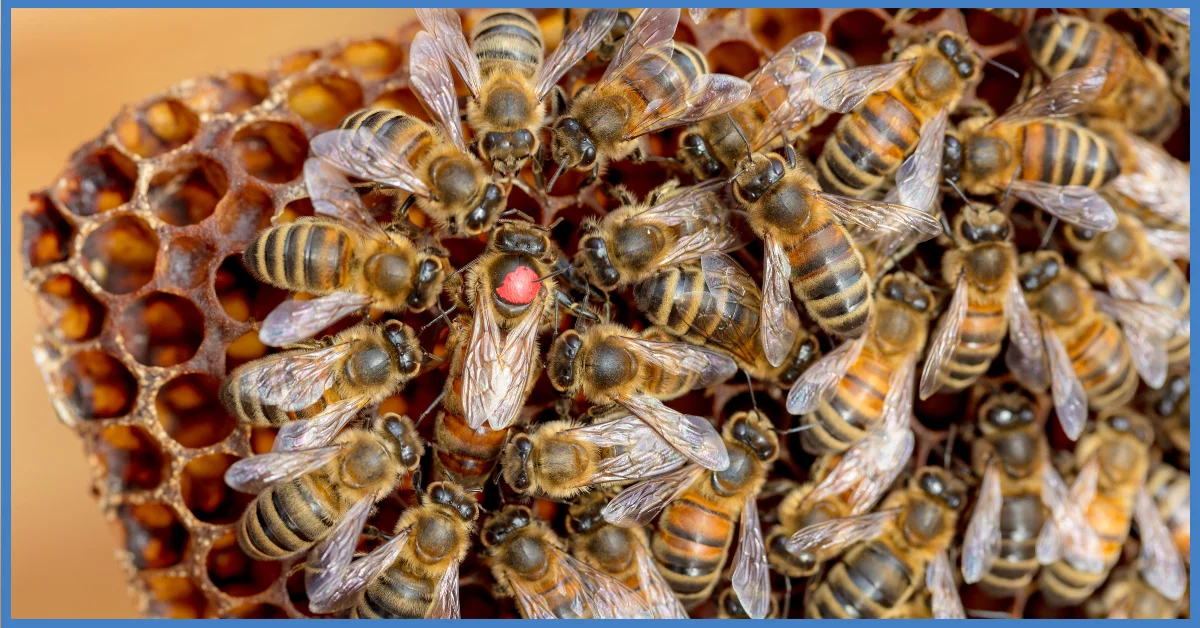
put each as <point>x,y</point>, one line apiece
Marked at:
<point>1068,94</point>
<point>640,503</point>
<point>1075,204</point>
<point>776,331</point>
<point>898,403</point>
<point>830,538</point>
<point>818,381</point>
<point>331,592</point>
<point>256,473</point>
<point>874,215</point>
<point>1147,328</point>
<point>1070,400</point>
<point>683,360</point>
<point>645,454</point>
<point>698,15</point>
<point>602,596</point>
<point>1172,244</point>
<point>580,38</point>
<point>751,577</point>
<point>784,83</point>
<point>445,603</point>
<point>1067,531</point>
<point>866,470</point>
<point>843,91</point>
<point>362,154</point>
<point>725,281</point>
<point>690,435</point>
<point>946,338</point>
<point>496,369</point>
<point>981,544</point>
<point>447,31</point>
<point>430,77</point>
<point>687,207</point>
<point>293,321</point>
<point>708,96</point>
<point>939,579</point>
<point>919,175</point>
<point>1028,363</point>
<point>1158,182</point>
<point>654,589</point>
<point>320,429</point>
<point>328,563</point>
<point>332,195</point>
<point>652,30</point>
<point>1159,559</point>
<point>293,381</point>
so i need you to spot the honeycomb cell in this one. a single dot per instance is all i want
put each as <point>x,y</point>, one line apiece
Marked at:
<point>372,59</point>
<point>161,329</point>
<point>187,262</point>
<point>775,28</point>
<point>202,486</point>
<point>240,295</point>
<point>231,94</point>
<point>188,192</point>
<point>235,573</point>
<point>271,151</point>
<point>153,535</point>
<point>160,127</point>
<point>862,34</point>
<point>298,208</point>
<point>988,30</point>
<point>736,58</point>
<point>190,410</point>
<point>176,598</point>
<point>46,235</point>
<point>97,182</point>
<point>262,439</point>
<point>256,611</point>
<point>684,33</point>
<point>245,348</point>
<point>131,458</point>
<point>295,62</point>
<point>68,310</point>
<point>120,254</point>
<point>297,594</point>
<point>324,100</point>
<point>97,385</point>
<point>249,210</point>
<point>404,100</point>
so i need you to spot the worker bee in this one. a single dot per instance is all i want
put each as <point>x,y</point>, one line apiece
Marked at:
<point>530,563</point>
<point>651,84</point>
<point>412,575</point>
<point>1172,492</point>
<point>505,74</point>
<point>730,607</point>
<point>1112,462</point>
<point>1153,180</point>
<point>622,553</point>
<point>307,495</point>
<point>608,46</point>
<point>360,366</point>
<point>349,262</point>
<point>1136,91</point>
<point>610,364</point>
<point>1128,596</point>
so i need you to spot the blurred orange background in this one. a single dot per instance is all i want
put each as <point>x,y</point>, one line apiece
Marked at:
<point>72,70</point>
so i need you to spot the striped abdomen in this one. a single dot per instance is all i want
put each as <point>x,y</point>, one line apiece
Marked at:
<point>649,79</point>
<point>288,518</point>
<point>505,38</point>
<point>663,383</point>
<point>830,276</point>
<point>304,256</point>
<point>871,582</point>
<point>407,136</point>
<point>396,594</point>
<point>1110,516</point>
<point>1066,43</point>
<point>246,405</point>
<point>1102,362</point>
<point>983,332</point>
<point>1172,287</point>
<point>1021,519</point>
<point>855,405</point>
<point>868,145</point>
<point>1063,153</point>
<point>463,455</point>
<point>690,545</point>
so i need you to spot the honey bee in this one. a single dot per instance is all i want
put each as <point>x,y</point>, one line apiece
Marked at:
<point>1128,596</point>
<point>1136,91</point>
<point>531,564</point>
<point>1113,460</point>
<point>610,364</point>
<point>1170,408</point>
<point>360,366</point>
<point>307,495</point>
<point>1153,180</point>
<point>505,74</point>
<point>652,83</point>
<point>608,46</point>
<point>412,575</point>
<point>622,553</point>
<point>730,607</point>
<point>1172,492</point>
<point>349,262</point>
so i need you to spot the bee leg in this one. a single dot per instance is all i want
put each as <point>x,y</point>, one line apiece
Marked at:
<point>591,178</point>
<point>787,597</point>
<point>371,532</point>
<point>405,206</point>
<point>790,153</point>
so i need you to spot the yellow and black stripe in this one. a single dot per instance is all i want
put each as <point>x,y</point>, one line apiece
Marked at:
<point>1063,153</point>
<point>830,276</point>
<point>1021,519</point>
<point>289,518</point>
<point>855,405</point>
<point>1102,362</point>
<point>869,583</point>
<point>869,144</point>
<point>505,38</point>
<point>983,331</point>
<point>305,256</point>
<point>650,79</point>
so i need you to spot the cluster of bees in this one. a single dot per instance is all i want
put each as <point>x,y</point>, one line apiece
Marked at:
<point>653,494</point>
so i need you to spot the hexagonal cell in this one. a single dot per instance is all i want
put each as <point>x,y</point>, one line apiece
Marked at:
<point>45,234</point>
<point>295,62</point>
<point>235,573</point>
<point>262,439</point>
<point>97,385</point>
<point>120,254</point>
<point>188,192</point>
<point>775,28</point>
<point>153,535</point>
<point>161,329</point>
<point>324,100</point>
<point>998,87</point>
<point>190,410</point>
<point>241,296</point>
<point>862,34</point>
<point>271,151</point>
<point>987,29</point>
<point>202,486</point>
<point>404,100</point>
<point>373,59</point>
<point>176,598</point>
<point>298,208</point>
<point>157,128</point>
<point>233,93</point>
<point>186,263</point>
<point>736,58</point>
<point>248,210</point>
<point>68,310</point>
<point>297,593</point>
<point>245,348</point>
<point>256,611</point>
<point>131,458</point>
<point>97,182</point>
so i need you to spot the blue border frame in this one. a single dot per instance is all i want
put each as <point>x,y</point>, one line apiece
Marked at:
<point>6,286</point>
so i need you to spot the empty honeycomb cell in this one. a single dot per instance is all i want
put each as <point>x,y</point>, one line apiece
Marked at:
<point>404,100</point>
<point>776,28</point>
<point>190,410</point>
<point>187,262</point>
<point>295,62</point>
<point>999,88</point>
<point>737,58</point>
<point>248,211</point>
<point>235,573</point>
<point>296,593</point>
<point>230,94</point>
<point>684,33</point>
<point>161,329</point>
<point>188,192</point>
<point>176,598</point>
<point>862,34</point>
<point>271,151</point>
<point>97,385</point>
<point>46,235</point>
<point>256,611</point>
<point>131,457</point>
<point>262,439</point>
<point>324,100</point>
<point>160,127</point>
<point>240,295</point>
<point>97,182</point>
<point>987,29</point>
<point>69,310</point>
<point>153,535</point>
<point>245,348</point>
<point>202,486</point>
<point>120,254</point>
<point>372,59</point>
<point>298,208</point>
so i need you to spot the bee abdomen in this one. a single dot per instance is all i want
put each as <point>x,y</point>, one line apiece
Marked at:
<point>306,257</point>
<point>505,37</point>
<point>690,546</point>
<point>465,456</point>
<point>868,145</point>
<point>664,81</point>
<point>1101,360</point>
<point>830,277</point>
<point>284,520</point>
<point>248,407</point>
<point>1066,154</point>
<point>983,332</point>
<point>1021,519</point>
<point>869,583</point>
<point>395,595</point>
<point>855,405</point>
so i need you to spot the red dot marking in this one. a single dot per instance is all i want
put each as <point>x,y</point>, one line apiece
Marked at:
<point>520,286</point>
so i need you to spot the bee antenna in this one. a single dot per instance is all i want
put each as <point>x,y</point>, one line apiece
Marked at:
<point>429,357</point>
<point>517,212</point>
<point>1049,232</point>
<point>737,127</point>
<point>465,266</point>
<point>1002,67</point>
<point>949,446</point>
<point>1057,18</point>
<point>960,192</point>
<point>1016,173</point>
<point>559,171</point>
<point>436,403</point>
<point>438,318</point>
<point>794,430</point>
<point>550,274</point>
<point>750,388</point>
<point>946,225</point>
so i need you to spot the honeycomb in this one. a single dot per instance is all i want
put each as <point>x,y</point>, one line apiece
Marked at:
<point>132,256</point>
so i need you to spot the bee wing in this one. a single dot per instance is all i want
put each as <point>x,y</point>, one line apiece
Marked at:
<point>497,369</point>
<point>1159,182</point>
<point>843,91</point>
<point>946,338</point>
<point>363,155</point>
<point>1068,94</point>
<point>430,76</point>
<point>329,561</point>
<point>898,404</point>
<point>689,206</point>
<point>293,321</point>
<point>827,539</point>
<point>981,544</point>
<point>332,195</point>
<point>818,381</point>
<point>646,453</point>
<point>1070,400</point>
<point>1067,531</point>
<point>791,72</point>
<point>640,503</point>
<point>698,15</point>
<point>1183,16</point>
<point>918,177</point>
<point>875,215</point>
<point>724,279</point>
<point>331,592</point>
<point>1173,244</point>
<point>683,360</point>
<point>1146,328</point>
<point>654,588</point>
<point>653,29</point>
<point>447,30</point>
<point>708,96</point>
<point>1027,351</point>
<point>751,578</point>
<point>776,332</point>
<point>581,36</point>
<point>939,579</point>
<point>256,473</point>
<point>445,604</point>
<point>599,594</point>
<point>691,435</point>
<point>294,381</point>
<point>881,459</point>
<point>1159,559</point>
<point>321,429</point>
<point>1076,204</point>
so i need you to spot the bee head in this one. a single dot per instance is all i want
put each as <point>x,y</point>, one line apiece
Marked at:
<point>753,429</point>
<point>907,289</point>
<point>952,157</point>
<point>587,512</point>
<point>404,340</point>
<point>431,272</point>
<point>571,146</point>
<point>455,498</point>
<point>521,237</point>
<point>941,486</point>
<point>560,362</point>
<point>504,523</point>
<point>976,225</point>
<point>516,462</point>
<point>508,151</point>
<point>697,157</point>
<point>1175,395</point>
<point>1038,269</point>
<point>594,261</point>
<point>408,444</point>
<point>485,213</point>
<point>1116,245</point>
<point>807,352</point>
<point>758,174</point>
